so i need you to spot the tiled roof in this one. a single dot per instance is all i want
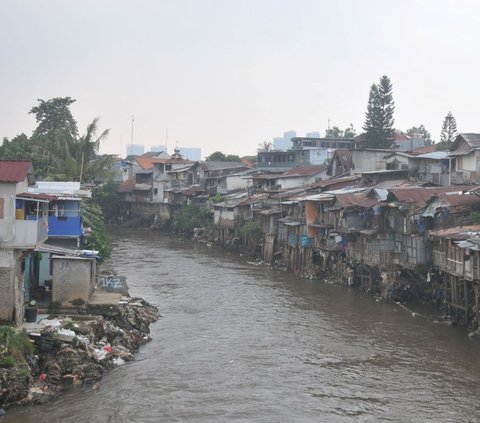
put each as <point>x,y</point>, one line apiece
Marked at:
<point>14,170</point>
<point>146,163</point>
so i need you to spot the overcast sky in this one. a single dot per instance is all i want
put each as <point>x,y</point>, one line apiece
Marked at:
<point>227,75</point>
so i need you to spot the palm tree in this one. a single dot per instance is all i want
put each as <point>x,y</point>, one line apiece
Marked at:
<point>75,158</point>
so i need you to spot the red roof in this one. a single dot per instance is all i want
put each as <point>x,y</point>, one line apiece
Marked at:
<point>14,170</point>
<point>145,162</point>
<point>127,186</point>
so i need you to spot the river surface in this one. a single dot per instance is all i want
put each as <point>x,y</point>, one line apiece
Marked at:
<point>243,343</point>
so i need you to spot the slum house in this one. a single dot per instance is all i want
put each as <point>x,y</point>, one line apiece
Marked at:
<point>185,196</point>
<point>274,219</point>
<point>341,163</point>
<point>213,175</point>
<point>356,247</point>
<point>23,227</point>
<point>455,272</point>
<point>66,237</point>
<point>175,180</point>
<point>465,154</point>
<point>403,142</point>
<point>368,159</point>
<point>172,172</point>
<point>433,167</point>
<point>300,176</point>
<point>231,214</point>
<point>291,232</point>
<point>238,181</point>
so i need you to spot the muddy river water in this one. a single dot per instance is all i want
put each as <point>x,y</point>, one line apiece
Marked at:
<point>243,343</point>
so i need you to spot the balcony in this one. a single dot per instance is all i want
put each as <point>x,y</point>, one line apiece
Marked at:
<point>27,234</point>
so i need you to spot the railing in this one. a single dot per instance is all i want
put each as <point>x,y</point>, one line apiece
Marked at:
<point>28,234</point>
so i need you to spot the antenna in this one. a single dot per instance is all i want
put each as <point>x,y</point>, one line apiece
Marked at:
<point>131,137</point>
<point>328,123</point>
<point>166,140</point>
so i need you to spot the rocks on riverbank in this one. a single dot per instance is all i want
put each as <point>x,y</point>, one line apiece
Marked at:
<point>76,349</point>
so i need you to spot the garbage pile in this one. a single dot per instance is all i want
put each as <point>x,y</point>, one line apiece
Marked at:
<point>73,350</point>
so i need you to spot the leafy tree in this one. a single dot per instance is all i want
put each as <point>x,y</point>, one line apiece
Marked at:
<point>191,217</point>
<point>105,195</point>
<point>220,157</point>
<point>265,146</point>
<point>54,116</point>
<point>378,127</point>
<point>336,132</point>
<point>18,148</point>
<point>92,217</point>
<point>421,130</point>
<point>449,132</point>
<point>63,155</point>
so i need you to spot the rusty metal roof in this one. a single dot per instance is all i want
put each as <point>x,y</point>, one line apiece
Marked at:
<point>304,171</point>
<point>355,200</point>
<point>422,195</point>
<point>14,170</point>
<point>457,232</point>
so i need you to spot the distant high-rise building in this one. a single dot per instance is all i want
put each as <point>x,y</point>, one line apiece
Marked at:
<point>191,153</point>
<point>313,134</point>
<point>158,148</point>
<point>284,143</point>
<point>135,149</point>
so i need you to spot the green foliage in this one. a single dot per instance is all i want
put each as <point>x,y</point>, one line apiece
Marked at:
<point>106,197</point>
<point>191,217</point>
<point>92,217</point>
<point>14,346</point>
<point>54,117</point>
<point>336,132</point>
<point>251,232</point>
<point>216,198</point>
<point>378,127</point>
<point>422,131</point>
<point>220,157</point>
<point>449,132</point>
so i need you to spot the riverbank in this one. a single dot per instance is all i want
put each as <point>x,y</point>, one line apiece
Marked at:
<point>71,347</point>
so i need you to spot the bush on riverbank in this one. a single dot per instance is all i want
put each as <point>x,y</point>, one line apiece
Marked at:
<point>14,347</point>
<point>191,217</point>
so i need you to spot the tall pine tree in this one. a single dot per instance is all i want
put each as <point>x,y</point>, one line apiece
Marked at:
<point>449,132</point>
<point>378,127</point>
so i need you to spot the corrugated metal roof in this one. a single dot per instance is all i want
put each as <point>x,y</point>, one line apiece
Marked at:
<point>301,171</point>
<point>422,195</point>
<point>355,200</point>
<point>14,170</point>
<point>457,232</point>
<point>435,155</point>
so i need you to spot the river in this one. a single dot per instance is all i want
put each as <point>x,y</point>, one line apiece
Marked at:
<point>244,343</point>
